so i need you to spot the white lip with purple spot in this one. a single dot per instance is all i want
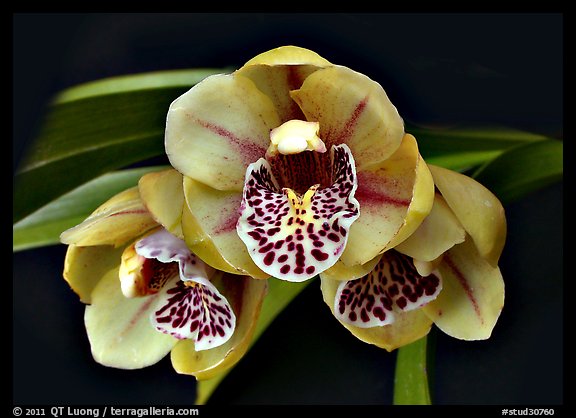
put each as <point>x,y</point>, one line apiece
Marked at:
<point>189,306</point>
<point>393,285</point>
<point>294,237</point>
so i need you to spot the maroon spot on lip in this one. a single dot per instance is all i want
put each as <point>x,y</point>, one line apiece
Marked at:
<point>269,258</point>
<point>319,255</point>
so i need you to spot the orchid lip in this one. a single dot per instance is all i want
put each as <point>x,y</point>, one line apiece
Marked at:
<point>294,236</point>
<point>189,310</point>
<point>189,306</point>
<point>393,286</point>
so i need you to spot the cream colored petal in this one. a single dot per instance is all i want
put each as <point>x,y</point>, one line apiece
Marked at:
<point>420,206</point>
<point>478,210</point>
<point>439,232</point>
<point>407,327</point>
<point>85,266</point>
<point>217,128</point>
<point>276,82</point>
<point>245,295</point>
<point>122,198</point>
<point>117,221</point>
<point>288,55</point>
<point>341,271</point>
<point>209,226</point>
<point>163,195</point>
<point>472,297</point>
<point>354,110</point>
<point>119,329</point>
<point>394,197</point>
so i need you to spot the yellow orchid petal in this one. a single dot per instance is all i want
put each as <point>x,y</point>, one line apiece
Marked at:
<point>472,297</point>
<point>85,266</point>
<point>421,204</point>
<point>439,232</point>
<point>288,55</point>
<point>277,82</point>
<point>408,326</point>
<point>478,210</point>
<point>245,296</point>
<point>118,220</point>
<point>119,199</point>
<point>341,271</point>
<point>217,128</point>
<point>163,196</point>
<point>389,193</point>
<point>209,226</point>
<point>119,328</point>
<point>354,110</point>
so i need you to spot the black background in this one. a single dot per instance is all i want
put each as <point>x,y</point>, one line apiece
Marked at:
<point>442,68</point>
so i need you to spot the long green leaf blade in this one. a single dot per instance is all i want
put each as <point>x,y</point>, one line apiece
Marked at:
<point>523,169</point>
<point>411,375</point>
<point>279,296</point>
<point>93,129</point>
<point>439,140</point>
<point>462,161</point>
<point>44,226</point>
<point>132,82</point>
<point>463,148</point>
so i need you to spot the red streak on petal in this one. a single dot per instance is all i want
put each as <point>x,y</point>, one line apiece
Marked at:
<point>464,283</point>
<point>368,192</point>
<point>130,212</point>
<point>249,151</point>
<point>138,315</point>
<point>348,128</point>
<point>293,82</point>
<point>228,225</point>
<point>293,78</point>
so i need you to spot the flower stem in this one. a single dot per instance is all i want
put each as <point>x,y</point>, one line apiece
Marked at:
<point>411,375</point>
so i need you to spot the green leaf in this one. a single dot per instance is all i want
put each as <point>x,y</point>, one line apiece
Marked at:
<point>44,226</point>
<point>127,83</point>
<point>280,294</point>
<point>523,169</point>
<point>411,375</point>
<point>95,128</point>
<point>462,148</point>
<point>462,161</point>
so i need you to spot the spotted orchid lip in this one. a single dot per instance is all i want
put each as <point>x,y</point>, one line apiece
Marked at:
<point>293,237</point>
<point>189,306</point>
<point>187,310</point>
<point>393,286</point>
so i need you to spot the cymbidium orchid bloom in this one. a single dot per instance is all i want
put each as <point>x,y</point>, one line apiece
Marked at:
<point>148,294</point>
<point>445,273</point>
<point>294,167</point>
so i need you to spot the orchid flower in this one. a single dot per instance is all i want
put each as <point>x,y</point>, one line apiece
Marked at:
<point>147,294</point>
<point>445,273</point>
<point>295,167</point>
